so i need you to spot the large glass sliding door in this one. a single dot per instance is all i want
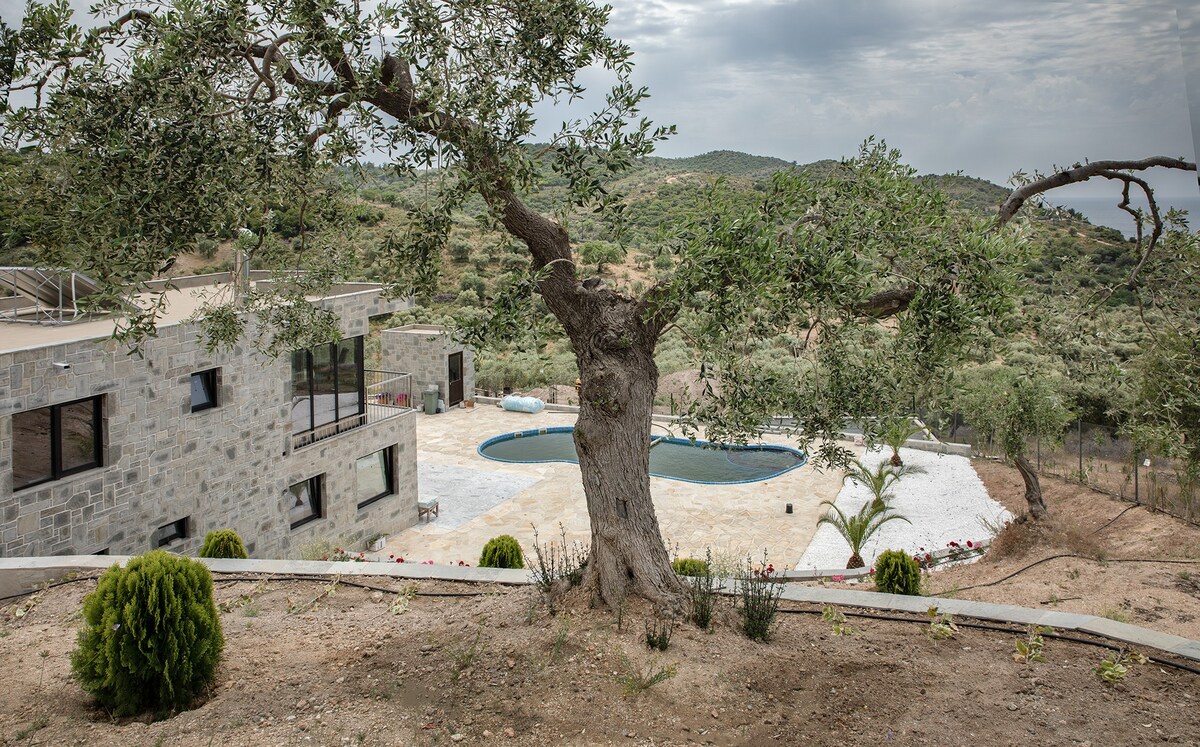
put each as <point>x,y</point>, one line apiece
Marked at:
<point>327,385</point>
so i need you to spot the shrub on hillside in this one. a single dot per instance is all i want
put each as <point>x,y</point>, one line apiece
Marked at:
<point>897,572</point>
<point>502,552</point>
<point>152,636</point>
<point>223,543</point>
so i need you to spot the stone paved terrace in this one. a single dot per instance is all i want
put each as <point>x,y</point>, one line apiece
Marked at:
<point>736,519</point>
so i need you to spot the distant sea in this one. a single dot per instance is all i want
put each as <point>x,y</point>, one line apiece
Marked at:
<point>1103,211</point>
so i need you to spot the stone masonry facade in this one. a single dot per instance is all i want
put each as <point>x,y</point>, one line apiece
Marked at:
<point>423,350</point>
<point>224,467</point>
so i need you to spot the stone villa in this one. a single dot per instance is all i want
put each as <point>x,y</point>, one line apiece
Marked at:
<point>105,452</point>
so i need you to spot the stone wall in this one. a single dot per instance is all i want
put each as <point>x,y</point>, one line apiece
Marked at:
<point>224,467</point>
<point>423,350</point>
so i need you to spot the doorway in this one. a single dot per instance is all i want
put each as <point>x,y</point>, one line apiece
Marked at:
<point>456,380</point>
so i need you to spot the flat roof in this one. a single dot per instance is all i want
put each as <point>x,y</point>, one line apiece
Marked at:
<point>180,305</point>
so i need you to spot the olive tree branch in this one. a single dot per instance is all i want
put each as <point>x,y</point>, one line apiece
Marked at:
<point>1009,208</point>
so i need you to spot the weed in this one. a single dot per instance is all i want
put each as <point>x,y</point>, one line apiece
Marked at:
<point>467,655</point>
<point>1114,667</point>
<point>1112,613</point>
<point>250,610</point>
<point>993,527</point>
<point>560,638</point>
<point>38,724</point>
<point>837,619</point>
<point>295,608</point>
<point>702,594</point>
<point>1030,650</point>
<point>658,634</point>
<point>403,600</point>
<point>1073,573</point>
<point>941,625</point>
<point>554,562</point>
<point>760,600</point>
<point>44,654</point>
<point>635,682</point>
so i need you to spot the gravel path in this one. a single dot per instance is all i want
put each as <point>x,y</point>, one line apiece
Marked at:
<point>940,495</point>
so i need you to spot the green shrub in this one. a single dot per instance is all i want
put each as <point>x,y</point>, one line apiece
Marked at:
<point>760,600</point>
<point>223,543</point>
<point>702,593</point>
<point>689,566</point>
<point>152,637</point>
<point>502,552</point>
<point>897,572</point>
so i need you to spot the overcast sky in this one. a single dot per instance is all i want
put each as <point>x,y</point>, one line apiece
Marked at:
<point>984,86</point>
<point>979,85</point>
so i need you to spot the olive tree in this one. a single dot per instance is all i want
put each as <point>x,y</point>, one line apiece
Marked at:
<point>1009,407</point>
<point>170,124</point>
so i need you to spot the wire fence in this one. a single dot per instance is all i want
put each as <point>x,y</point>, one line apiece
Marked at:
<point>1095,455</point>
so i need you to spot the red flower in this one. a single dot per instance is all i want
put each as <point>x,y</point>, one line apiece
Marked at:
<point>969,543</point>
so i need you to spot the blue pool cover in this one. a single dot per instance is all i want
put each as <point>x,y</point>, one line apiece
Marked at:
<point>672,458</point>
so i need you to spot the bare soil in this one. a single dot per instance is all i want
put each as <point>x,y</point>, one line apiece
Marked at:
<point>317,663</point>
<point>1103,533</point>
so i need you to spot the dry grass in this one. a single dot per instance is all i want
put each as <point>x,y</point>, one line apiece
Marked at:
<point>1026,537</point>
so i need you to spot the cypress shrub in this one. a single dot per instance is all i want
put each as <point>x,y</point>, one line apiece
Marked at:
<point>223,543</point>
<point>689,567</point>
<point>152,636</point>
<point>897,572</point>
<point>502,552</point>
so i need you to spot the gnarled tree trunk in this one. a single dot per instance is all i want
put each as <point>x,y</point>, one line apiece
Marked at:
<point>612,437</point>
<point>1033,488</point>
<point>614,340</point>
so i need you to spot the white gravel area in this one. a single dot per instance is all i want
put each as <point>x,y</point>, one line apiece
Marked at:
<point>940,495</point>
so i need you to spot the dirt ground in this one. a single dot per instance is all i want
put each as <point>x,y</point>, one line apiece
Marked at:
<point>317,663</point>
<point>1105,533</point>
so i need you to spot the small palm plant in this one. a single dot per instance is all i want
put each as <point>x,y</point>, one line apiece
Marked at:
<point>895,432</point>
<point>877,480</point>
<point>860,527</point>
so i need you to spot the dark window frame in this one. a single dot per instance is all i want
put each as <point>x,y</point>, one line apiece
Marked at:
<point>56,469</point>
<point>389,475</point>
<point>209,381</point>
<point>313,384</point>
<point>316,489</point>
<point>178,532</point>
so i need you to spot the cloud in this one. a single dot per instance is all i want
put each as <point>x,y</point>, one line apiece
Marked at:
<point>984,87</point>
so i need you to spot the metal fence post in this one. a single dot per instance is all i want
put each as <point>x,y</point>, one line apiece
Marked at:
<point>1079,435</point>
<point>1137,496</point>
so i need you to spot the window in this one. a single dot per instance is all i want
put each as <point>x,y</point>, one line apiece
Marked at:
<point>168,533</point>
<point>374,476</point>
<point>327,385</point>
<point>304,501</point>
<point>56,441</point>
<point>204,390</point>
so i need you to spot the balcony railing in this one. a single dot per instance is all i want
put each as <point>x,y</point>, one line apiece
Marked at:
<point>386,394</point>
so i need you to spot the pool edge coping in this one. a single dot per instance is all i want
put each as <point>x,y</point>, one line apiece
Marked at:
<point>514,435</point>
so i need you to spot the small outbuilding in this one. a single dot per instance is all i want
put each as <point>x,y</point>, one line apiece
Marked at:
<point>431,355</point>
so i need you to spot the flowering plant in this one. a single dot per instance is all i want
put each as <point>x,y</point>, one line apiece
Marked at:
<point>342,555</point>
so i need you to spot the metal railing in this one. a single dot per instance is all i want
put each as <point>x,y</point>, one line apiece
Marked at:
<point>386,394</point>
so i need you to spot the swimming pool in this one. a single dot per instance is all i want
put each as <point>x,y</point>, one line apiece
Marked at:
<point>672,458</point>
